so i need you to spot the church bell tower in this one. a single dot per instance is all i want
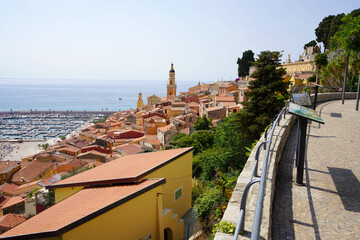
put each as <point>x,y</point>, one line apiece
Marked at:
<point>171,86</point>
<point>140,101</point>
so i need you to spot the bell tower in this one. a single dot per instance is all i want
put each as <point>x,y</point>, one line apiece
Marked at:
<point>171,86</point>
<point>140,101</point>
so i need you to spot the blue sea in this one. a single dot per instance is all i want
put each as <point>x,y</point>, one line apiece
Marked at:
<point>79,95</point>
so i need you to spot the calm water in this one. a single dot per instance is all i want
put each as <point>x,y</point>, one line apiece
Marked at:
<point>94,95</point>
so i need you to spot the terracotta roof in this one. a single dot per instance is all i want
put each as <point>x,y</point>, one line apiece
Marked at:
<point>79,208</point>
<point>153,140</point>
<point>225,99</point>
<point>3,200</point>
<point>30,171</point>
<point>29,184</point>
<point>166,128</point>
<point>227,85</point>
<point>193,104</point>
<point>8,188</point>
<point>11,220</point>
<point>228,104</point>
<point>93,152</point>
<point>7,164</point>
<point>213,109</point>
<point>13,201</point>
<point>130,149</point>
<point>127,169</point>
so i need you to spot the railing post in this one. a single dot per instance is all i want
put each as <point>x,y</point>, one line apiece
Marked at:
<point>241,221</point>
<point>345,76</point>
<point>257,159</point>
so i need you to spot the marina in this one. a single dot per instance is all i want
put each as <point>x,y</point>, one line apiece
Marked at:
<point>42,125</point>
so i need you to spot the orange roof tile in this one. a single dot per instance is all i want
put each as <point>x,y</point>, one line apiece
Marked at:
<point>225,98</point>
<point>83,206</point>
<point>130,149</point>
<point>29,184</point>
<point>166,128</point>
<point>30,171</point>
<point>127,169</point>
<point>11,220</point>
<point>3,200</point>
<point>7,164</point>
<point>8,188</point>
<point>13,201</point>
<point>213,109</point>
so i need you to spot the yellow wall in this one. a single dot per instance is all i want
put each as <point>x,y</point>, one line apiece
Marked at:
<point>177,173</point>
<point>131,220</point>
<point>62,193</point>
<point>299,67</point>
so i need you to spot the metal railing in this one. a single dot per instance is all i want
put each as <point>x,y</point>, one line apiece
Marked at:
<point>266,145</point>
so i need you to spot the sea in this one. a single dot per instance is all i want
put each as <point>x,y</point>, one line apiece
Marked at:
<point>79,94</point>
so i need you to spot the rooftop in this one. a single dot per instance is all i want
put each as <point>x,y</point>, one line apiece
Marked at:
<point>127,169</point>
<point>50,223</point>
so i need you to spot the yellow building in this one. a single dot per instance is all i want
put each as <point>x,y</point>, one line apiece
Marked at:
<point>140,101</point>
<point>299,67</point>
<point>139,196</point>
<point>171,86</point>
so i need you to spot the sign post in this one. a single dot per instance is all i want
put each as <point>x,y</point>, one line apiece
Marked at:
<point>304,115</point>
<point>316,92</point>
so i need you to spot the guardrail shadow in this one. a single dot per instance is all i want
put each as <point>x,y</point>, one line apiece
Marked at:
<point>348,188</point>
<point>283,217</point>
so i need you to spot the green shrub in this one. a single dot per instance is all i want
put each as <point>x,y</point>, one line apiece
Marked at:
<point>206,205</point>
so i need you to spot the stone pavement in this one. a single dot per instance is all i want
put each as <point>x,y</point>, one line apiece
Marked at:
<point>328,206</point>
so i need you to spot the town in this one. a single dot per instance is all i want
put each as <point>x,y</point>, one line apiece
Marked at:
<point>120,155</point>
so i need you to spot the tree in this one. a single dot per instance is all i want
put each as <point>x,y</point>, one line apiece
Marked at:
<point>322,32</point>
<point>348,36</point>
<point>204,138</point>
<point>268,92</point>
<point>203,123</point>
<point>245,62</point>
<point>310,44</point>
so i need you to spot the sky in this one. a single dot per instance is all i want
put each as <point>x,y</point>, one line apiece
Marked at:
<point>138,40</point>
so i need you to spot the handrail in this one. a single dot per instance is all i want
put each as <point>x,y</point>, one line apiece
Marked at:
<point>259,206</point>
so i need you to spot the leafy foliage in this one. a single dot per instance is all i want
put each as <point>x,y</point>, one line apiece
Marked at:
<point>312,78</point>
<point>348,36</point>
<point>204,138</point>
<point>245,62</point>
<point>310,44</point>
<point>268,92</point>
<point>203,123</point>
<point>224,227</point>
<point>330,25</point>
<point>205,205</point>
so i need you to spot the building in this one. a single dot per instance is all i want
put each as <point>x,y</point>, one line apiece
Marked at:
<point>171,86</point>
<point>140,101</point>
<point>153,99</point>
<point>134,197</point>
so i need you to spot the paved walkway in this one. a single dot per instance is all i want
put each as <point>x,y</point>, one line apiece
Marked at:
<point>328,206</point>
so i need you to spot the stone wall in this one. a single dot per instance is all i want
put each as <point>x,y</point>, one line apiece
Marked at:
<point>280,136</point>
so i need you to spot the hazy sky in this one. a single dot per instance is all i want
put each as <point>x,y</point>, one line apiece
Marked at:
<point>138,39</point>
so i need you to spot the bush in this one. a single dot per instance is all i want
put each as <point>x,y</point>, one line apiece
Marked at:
<point>206,205</point>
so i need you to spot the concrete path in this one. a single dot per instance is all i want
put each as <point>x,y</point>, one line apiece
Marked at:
<point>328,206</point>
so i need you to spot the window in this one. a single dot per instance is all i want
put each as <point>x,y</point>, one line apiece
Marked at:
<point>178,193</point>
